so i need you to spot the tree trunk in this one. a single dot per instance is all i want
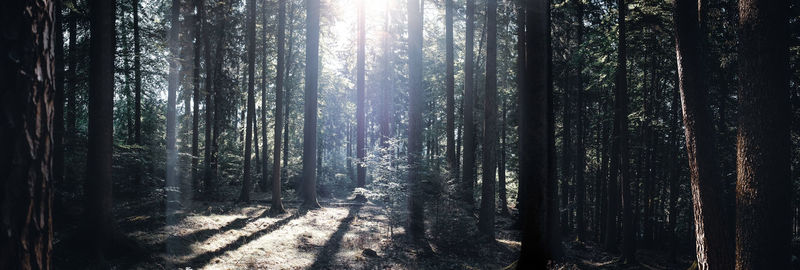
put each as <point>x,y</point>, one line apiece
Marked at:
<point>101,119</point>
<point>277,205</point>
<point>416,222</point>
<point>468,170</point>
<point>386,96</point>
<point>247,181</point>
<point>488,205</point>
<point>580,162</point>
<point>763,188</point>
<point>265,173</point>
<point>713,235</point>
<point>173,185</point>
<point>26,133</point>
<point>534,156</point>
<point>198,20</point>
<point>450,152</point>
<point>310,119</point>
<point>361,170</point>
<point>621,137</point>
<point>501,165</point>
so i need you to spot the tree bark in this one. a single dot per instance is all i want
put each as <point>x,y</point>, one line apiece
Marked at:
<point>468,168</point>
<point>247,181</point>
<point>416,219</point>
<point>101,110</point>
<point>763,188</point>
<point>277,205</point>
<point>488,205</point>
<point>310,119</point>
<point>713,234</point>
<point>26,133</point>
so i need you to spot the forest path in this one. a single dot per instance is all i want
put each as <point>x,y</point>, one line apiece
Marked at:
<point>340,235</point>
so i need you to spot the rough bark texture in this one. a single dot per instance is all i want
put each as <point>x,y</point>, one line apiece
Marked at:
<point>277,204</point>
<point>533,149</point>
<point>26,134</point>
<point>468,168</point>
<point>310,119</point>
<point>101,110</point>
<point>416,219</point>
<point>487,213</point>
<point>713,235</point>
<point>763,188</point>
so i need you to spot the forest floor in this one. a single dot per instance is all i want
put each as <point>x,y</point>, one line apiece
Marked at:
<point>343,234</point>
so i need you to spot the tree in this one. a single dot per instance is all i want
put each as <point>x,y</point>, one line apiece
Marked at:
<point>26,133</point>
<point>534,156</point>
<point>361,170</point>
<point>101,107</point>
<point>468,168</point>
<point>450,152</point>
<point>196,26</point>
<point>247,184</point>
<point>487,213</point>
<point>580,155</point>
<point>173,186</point>
<point>621,136</point>
<point>265,152</point>
<point>137,74</point>
<point>416,218</point>
<point>763,187</point>
<point>277,205</point>
<point>501,164</point>
<point>713,235</point>
<point>310,119</point>
<point>58,110</point>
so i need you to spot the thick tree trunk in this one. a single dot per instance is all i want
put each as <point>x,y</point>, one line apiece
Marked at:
<point>277,205</point>
<point>247,180</point>
<point>101,117</point>
<point>310,119</point>
<point>488,205</point>
<point>468,170</point>
<point>26,133</point>
<point>534,156</point>
<point>763,188</point>
<point>416,219</point>
<point>713,233</point>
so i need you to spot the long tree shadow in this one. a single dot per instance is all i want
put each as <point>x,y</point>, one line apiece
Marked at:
<point>202,259</point>
<point>333,244</point>
<point>201,235</point>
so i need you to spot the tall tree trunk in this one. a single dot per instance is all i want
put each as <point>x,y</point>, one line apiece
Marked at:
<point>580,161</point>
<point>218,116</point>
<point>621,137</point>
<point>386,96</point>
<point>265,173</point>
<point>101,119</point>
<point>198,20</point>
<point>416,222</point>
<point>501,164</point>
<point>488,206</point>
<point>26,133</point>
<point>173,185</point>
<point>553,240</point>
<point>277,205</point>
<point>713,235</point>
<point>247,182</point>
<point>209,102</point>
<point>361,170</point>
<point>450,152</point>
<point>310,119</point>
<point>534,156</point>
<point>763,187</point>
<point>288,93</point>
<point>468,170</point>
